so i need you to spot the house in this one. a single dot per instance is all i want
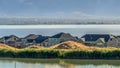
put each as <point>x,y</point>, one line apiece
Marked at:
<point>30,39</point>
<point>101,40</point>
<point>114,42</point>
<point>33,39</point>
<point>10,40</point>
<point>20,43</point>
<point>58,38</point>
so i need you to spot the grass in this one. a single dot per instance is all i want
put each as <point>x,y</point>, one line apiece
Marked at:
<point>69,45</point>
<point>67,50</point>
<point>57,53</point>
<point>4,46</point>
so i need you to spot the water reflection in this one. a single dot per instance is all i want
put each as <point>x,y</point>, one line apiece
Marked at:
<point>58,63</point>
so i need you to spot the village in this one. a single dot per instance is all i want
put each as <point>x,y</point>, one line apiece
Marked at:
<point>99,40</point>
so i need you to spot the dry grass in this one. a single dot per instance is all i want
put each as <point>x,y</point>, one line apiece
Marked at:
<point>105,48</point>
<point>64,45</point>
<point>34,47</point>
<point>69,45</point>
<point>68,49</point>
<point>80,46</point>
<point>4,46</point>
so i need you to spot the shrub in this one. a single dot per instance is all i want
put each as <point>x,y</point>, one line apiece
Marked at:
<point>53,53</point>
<point>37,53</point>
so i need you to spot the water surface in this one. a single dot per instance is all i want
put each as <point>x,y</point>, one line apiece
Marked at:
<point>58,63</point>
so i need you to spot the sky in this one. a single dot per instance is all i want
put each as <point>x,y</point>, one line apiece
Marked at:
<point>56,8</point>
<point>47,30</point>
<point>59,9</point>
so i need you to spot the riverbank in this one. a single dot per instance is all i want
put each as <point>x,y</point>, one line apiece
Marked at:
<point>61,53</point>
<point>64,50</point>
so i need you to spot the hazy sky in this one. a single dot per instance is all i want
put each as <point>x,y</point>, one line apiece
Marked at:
<point>75,30</point>
<point>59,8</point>
<point>38,8</point>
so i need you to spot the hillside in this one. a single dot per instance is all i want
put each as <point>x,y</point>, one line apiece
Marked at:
<point>64,45</point>
<point>4,46</point>
<point>34,47</point>
<point>69,45</point>
<point>80,46</point>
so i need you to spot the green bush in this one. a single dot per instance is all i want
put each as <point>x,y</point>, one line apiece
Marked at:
<point>69,54</point>
<point>37,53</point>
<point>7,53</point>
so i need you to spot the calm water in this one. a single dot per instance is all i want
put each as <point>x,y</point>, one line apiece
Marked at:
<point>58,63</point>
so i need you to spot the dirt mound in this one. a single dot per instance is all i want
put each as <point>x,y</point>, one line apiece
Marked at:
<point>69,45</point>
<point>35,47</point>
<point>4,46</point>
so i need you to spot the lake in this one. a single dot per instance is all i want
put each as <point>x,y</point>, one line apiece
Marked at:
<point>58,63</point>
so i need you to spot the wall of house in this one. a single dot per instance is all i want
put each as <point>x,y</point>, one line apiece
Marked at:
<point>100,42</point>
<point>11,39</point>
<point>2,41</point>
<point>53,41</point>
<point>113,42</point>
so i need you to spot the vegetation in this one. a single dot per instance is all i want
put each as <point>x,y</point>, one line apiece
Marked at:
<point>67,50</point>
<point>57,53</point>
<point>4,46</point>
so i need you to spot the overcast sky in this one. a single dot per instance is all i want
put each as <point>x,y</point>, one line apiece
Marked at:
<point>38,8</point>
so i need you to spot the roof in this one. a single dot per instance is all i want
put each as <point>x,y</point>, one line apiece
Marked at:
<point>36,38</point>
<point>62,35</point>
<point>8,37</point>
<point>95,37</point>
<point>118,36</point>
<point>31,36</point>
<point>41,39</point>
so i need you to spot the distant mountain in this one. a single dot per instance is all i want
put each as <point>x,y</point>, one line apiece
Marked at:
<point>49,21</point>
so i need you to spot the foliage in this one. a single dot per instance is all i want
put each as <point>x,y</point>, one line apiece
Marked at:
<point>59,53</point>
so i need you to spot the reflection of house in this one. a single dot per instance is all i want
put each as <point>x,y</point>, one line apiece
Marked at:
<point>58,38</point>
<point>101,40</point>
